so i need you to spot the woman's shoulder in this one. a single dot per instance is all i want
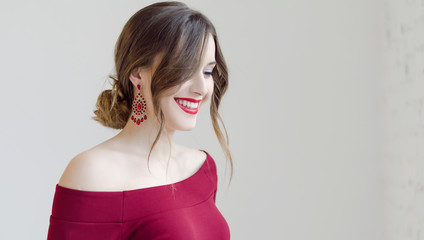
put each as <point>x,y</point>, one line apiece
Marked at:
<point>195,155</point>
<point>102,169</point>
<point>89,170</point>
<point>198,157</point>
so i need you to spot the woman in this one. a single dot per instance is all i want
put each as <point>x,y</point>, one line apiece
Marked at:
<point>140,184</point>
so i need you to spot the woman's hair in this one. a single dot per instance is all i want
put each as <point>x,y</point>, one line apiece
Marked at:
<point>179,34</point>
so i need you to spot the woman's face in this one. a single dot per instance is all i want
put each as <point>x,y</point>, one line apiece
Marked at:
<point>181,108</point>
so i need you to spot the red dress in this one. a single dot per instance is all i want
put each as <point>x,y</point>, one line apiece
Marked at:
<point>147,213</point>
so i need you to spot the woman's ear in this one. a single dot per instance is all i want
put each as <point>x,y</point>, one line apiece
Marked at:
<point>135,76</point>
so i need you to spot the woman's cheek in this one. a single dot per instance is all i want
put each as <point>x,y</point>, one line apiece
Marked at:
<point>210,88</point>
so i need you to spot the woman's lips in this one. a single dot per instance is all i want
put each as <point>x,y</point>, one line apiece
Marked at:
<point>186,109</point>
<point>190,99</point>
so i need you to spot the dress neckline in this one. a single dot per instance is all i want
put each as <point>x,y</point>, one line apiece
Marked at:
<point>205,162</point>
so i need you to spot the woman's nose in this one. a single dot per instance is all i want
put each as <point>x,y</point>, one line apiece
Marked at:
<point>199,85</point>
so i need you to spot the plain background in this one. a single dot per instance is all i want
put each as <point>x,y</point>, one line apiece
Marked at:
<point>302,111</point>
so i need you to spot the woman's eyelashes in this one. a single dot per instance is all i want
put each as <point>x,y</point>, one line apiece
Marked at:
<point>208,74</point>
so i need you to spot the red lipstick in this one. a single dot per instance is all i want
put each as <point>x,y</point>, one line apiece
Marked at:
<point>190,99</point>
<point>186,109</point>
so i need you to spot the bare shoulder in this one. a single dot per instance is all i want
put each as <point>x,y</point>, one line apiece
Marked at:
<point>89,171</point>
<point>194,156</point>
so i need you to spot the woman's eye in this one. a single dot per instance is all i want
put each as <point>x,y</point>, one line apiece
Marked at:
<point>208,73</point>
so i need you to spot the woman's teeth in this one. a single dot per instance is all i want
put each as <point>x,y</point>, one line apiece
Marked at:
<point>188,104</point>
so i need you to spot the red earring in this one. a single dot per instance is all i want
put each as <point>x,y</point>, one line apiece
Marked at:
<point>139,108</point>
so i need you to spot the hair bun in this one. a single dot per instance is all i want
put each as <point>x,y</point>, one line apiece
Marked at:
<point>113,110</point>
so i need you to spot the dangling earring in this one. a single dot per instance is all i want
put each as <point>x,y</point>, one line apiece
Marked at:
<point>139,108</point>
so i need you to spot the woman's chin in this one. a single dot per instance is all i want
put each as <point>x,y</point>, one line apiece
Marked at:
<point>187,128</point>
<point>181,127</point>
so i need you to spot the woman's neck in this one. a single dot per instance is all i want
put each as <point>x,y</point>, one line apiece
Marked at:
<point>139,139</point>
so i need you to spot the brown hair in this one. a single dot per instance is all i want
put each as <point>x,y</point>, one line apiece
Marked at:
<point>179,33</point>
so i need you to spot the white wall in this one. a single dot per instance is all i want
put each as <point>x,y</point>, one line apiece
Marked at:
<point>302,111</point>
<point>403,120</point>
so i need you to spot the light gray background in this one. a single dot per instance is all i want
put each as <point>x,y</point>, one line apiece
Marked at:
<point>313,120</point>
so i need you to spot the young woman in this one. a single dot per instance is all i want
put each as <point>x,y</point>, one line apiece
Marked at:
<point>140,184</point>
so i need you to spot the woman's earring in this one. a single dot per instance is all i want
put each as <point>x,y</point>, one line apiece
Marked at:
<point>139,108</point>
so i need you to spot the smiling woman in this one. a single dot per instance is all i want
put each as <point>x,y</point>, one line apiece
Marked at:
<point>191,95</point>
<point>140,184</point>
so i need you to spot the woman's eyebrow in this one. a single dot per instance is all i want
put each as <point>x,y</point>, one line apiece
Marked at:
<point>211,63</point>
